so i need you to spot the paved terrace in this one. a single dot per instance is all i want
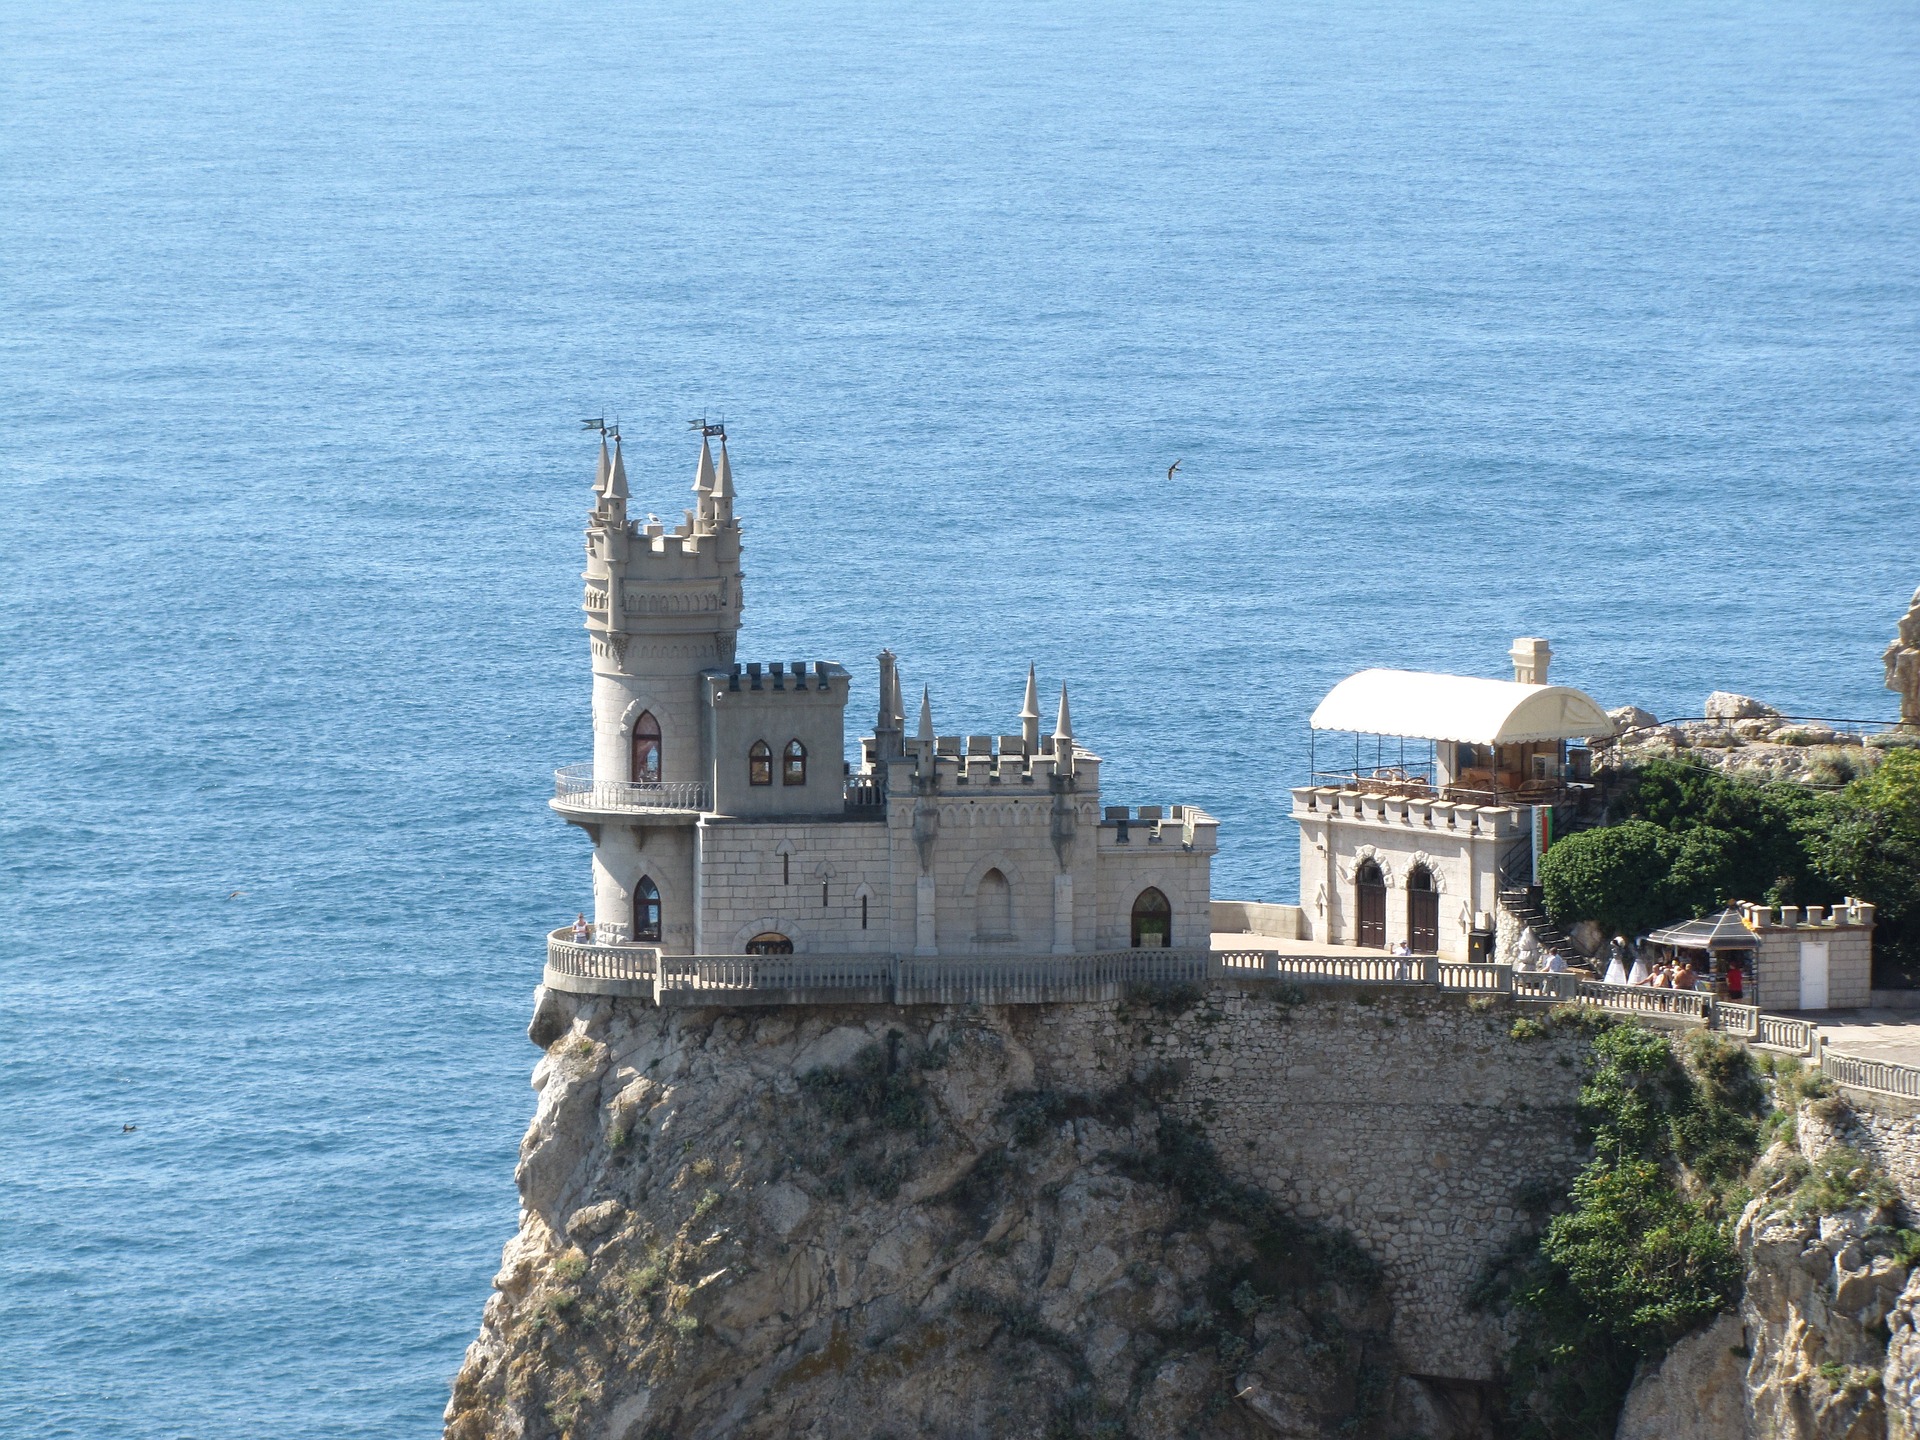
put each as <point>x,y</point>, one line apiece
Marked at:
<point>1863,1051</point>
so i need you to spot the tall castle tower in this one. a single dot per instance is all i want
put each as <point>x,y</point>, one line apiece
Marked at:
<point>662,606</point>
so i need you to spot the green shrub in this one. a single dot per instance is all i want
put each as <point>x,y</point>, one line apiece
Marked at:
<point>1843,1179</point>
<point>1528,1028</point>
<point>1644,1253</point>
<point>1616,876</point>
<point>570,1265</point>
<point>1869,845</point>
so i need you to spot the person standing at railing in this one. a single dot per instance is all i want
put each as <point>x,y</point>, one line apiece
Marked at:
<point>582,932</point>
<point>1616,961</point>
<point>1684,977</point>
<point>1736,980</point>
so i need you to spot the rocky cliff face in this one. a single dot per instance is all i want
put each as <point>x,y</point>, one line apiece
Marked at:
<point>1824,1346</point>
<point>864,1223</point>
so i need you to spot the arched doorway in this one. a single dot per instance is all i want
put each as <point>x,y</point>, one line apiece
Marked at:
<point>646,750</point>
<point>1370,890</point>
<point>646,912</point>
<point>1423,912</point>
<point>1152,921</point>
<point>770,942</point>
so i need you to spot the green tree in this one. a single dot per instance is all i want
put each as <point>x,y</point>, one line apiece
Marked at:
<point>1617,875</point>
<point>1868,845</point>
<point>1754,846</point>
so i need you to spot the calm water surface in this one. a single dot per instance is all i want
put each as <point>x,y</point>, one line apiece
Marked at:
<point>1595,322</point>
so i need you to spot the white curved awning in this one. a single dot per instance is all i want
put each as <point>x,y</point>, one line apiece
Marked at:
<point>1425,706</point>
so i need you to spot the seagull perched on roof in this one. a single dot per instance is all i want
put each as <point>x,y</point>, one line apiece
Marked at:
<point>1173,467</point>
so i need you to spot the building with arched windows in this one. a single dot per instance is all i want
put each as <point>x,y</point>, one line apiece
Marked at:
<point>1430,800</point>
<point>727,816</point>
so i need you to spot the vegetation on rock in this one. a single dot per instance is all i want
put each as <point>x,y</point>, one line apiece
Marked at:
<point>1644,1251</point>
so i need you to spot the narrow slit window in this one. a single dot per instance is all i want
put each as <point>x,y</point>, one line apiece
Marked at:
<point>823,893</point>
<point>863,912</point>
<point>786,869</point>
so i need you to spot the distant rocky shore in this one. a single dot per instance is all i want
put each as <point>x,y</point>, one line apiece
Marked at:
<point>1744,736</point>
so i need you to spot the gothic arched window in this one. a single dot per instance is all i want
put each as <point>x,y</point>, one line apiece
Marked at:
<point>1152,921</point>
<point>646,911</point>
<point>646,750</point>
<point>793,764</point>
<point>760,764</point>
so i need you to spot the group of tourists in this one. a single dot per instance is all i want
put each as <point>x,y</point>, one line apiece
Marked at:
<point>1627,966</point>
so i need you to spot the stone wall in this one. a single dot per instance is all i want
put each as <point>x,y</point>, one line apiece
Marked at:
<point>1413,1122</point>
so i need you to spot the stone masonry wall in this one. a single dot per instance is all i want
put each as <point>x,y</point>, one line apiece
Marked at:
<point>1414,1122</point>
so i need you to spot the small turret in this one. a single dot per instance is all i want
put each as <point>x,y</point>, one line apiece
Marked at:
<point>1030,714</point>
<point>703,486</point>
<point>614,494</point>
<point>722,506</point>
<point>889,726</point>
<point>1063,737</point>
<point>601,472</point>
<point>925,737</point>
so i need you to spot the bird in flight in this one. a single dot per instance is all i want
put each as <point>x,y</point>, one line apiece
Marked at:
<point>236,895</point>
<point>128,1129</point>
<point>1171,468</point>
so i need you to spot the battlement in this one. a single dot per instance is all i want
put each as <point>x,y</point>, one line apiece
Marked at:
<point>991,760</point>
<point>1849,914</point>
<point>1330,802</point>
<point>789,675</point>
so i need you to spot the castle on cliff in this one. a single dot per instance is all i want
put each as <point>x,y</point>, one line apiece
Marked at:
<point>727,819</point>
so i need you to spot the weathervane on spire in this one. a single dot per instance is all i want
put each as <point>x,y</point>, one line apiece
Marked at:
<point>608,431</point>
<point>709,431</point>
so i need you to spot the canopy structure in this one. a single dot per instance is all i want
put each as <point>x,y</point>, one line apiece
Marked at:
<point>1463,708</point>
<point>1725,931</point>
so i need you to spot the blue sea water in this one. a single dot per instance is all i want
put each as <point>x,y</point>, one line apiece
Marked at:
<point>1590,321</point>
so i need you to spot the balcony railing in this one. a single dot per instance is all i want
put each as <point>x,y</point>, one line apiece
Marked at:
<point>574,788</point>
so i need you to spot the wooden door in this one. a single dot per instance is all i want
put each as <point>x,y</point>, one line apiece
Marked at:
<point>1370,888</point>
<point>1423,921</point>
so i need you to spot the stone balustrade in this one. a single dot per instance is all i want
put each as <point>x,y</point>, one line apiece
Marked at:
<point>1320,802</point>
<point>642,972</point>
<point>576,790</point>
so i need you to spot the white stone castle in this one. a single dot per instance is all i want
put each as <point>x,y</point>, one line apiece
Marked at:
<point>727,820</point>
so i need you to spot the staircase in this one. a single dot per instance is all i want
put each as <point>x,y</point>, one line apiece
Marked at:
<point>1521,899</point>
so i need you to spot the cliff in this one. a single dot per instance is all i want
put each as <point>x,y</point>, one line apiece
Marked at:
<point>1826,1344</point>
<point>1205,1214</point>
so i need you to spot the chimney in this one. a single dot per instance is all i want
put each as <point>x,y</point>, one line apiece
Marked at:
<point>1530,656</point>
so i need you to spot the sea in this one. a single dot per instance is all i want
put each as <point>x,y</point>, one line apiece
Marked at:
<point>1593,321</point>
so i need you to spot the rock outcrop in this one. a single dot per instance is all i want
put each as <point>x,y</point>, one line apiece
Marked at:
<point>857,1222</point>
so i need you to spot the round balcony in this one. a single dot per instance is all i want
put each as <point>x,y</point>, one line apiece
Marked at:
<point>579,796</point>
<point>587,968</point>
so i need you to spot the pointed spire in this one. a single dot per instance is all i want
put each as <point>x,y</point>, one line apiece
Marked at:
<point>925,736</point>
<point>703,473</point>
<point>602,470</point>
<point>1030,713</point>
<point>723,483</point>
<point>1063,727</point>
<point>897,707</point>
<point>616,488</point>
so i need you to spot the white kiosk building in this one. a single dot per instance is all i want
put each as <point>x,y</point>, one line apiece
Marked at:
<point>1438,851</point>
